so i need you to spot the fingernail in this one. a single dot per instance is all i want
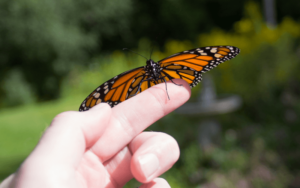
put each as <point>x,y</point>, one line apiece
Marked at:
<point>149,163</point>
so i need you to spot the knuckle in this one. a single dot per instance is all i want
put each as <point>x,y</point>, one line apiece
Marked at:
<point>125,124</point>
<point>63,116</point>
<point>159,95</point>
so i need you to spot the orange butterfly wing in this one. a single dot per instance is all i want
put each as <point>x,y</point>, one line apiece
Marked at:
<point>189,65</point>
<point>116,89</point>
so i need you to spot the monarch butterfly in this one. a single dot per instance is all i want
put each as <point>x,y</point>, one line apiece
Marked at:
<point>187,65</point>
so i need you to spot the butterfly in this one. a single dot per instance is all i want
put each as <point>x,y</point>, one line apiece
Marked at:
<point>187,65</point>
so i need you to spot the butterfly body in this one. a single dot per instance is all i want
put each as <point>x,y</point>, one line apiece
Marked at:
<point>187,65</point>
<point>153,70</point>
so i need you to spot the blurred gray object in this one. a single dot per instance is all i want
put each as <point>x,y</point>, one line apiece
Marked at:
<point>270,13</point>
<point>208,104</point>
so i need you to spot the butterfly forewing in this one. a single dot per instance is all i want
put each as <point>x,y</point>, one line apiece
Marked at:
<point>114,90</point>
<point>189,65</point>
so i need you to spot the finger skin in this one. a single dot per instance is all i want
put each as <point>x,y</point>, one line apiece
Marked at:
<point>156,183</point>
<point>61,149</point>
<point>119,168</point>
<point>122,166</point>
<point>69,135</point>
<point>140,112</point>
<point>163,146</point>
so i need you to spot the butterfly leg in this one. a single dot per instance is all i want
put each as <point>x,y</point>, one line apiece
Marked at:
<point>170,78</point>
<point>166,87</point>
<point>137,90</point>
<point>175,83</point>
<point>140,86</point>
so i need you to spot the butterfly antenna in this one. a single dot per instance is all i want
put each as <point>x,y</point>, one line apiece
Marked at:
<point>135,53</point>
<point>151,51</point>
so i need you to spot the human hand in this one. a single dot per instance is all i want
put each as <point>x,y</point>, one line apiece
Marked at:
<point>105,147</point>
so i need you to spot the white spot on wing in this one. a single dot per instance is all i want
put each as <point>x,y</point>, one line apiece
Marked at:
<point>97,95</point>
<point>213,50</point>
<point>218,55</point>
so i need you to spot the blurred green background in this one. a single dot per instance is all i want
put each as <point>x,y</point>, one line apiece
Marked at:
<point>53,53</point>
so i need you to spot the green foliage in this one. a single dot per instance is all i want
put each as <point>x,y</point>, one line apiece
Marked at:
<point>44,40</point>
<point>19,90</point>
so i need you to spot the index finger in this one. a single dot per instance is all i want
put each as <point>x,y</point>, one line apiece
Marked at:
<point>137,113</point>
